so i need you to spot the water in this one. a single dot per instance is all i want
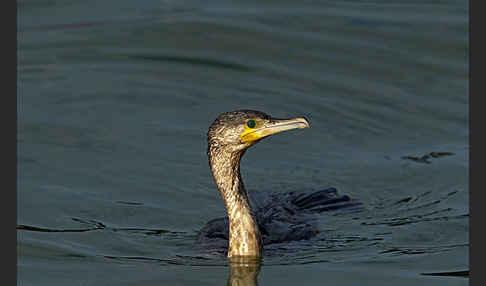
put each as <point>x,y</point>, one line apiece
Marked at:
<point>115,97</point>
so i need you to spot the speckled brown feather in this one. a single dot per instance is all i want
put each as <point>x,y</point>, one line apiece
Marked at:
<point>225,150</point>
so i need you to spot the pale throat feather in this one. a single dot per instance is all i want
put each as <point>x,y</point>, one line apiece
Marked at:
<point>244,235</point>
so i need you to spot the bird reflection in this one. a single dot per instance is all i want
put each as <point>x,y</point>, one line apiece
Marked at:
<point>244,271</point>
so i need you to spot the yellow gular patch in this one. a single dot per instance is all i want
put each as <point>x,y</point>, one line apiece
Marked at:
<point>249,135</point>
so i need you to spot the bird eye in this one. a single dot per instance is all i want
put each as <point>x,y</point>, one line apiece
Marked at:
<point>251,123</point>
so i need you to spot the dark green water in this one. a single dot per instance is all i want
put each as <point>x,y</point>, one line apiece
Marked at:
<point>115,97</point>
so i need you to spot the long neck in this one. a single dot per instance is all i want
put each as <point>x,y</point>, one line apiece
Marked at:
<point>244,235</point>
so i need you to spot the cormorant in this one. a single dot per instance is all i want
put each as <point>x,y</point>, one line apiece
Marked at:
<point>283,216</point>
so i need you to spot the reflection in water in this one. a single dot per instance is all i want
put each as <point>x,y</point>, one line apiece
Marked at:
<point>244,270</point>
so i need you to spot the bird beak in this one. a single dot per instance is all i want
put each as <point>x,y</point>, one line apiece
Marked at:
<point>273,126</point>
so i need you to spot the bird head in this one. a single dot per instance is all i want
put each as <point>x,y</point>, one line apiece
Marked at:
<point>240,129</point>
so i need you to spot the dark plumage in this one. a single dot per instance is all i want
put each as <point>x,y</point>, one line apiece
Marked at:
<point>278,217</point>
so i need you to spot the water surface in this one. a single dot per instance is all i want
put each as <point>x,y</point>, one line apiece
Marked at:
<point>115,97</point>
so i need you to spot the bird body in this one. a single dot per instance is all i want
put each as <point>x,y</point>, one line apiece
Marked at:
<point>283,216</point>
